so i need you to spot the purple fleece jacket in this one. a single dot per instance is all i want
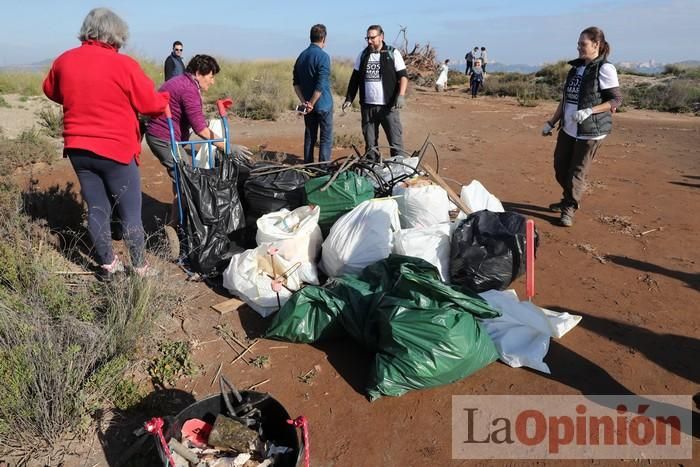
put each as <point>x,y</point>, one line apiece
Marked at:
<point>185,106</point>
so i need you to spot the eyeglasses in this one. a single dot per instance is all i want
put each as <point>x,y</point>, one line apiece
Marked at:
<point>178,50</point>
<point>369,38</point>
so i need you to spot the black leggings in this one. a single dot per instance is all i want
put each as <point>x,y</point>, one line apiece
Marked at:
<point>103,179</point>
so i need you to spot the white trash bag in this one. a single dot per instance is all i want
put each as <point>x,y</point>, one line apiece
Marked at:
<point>249,276</point>
<point>296,233</point>
<point>478,198</point>
<point>429,243</point>
<point>523,330</point>
<point>422,205</point>
<point>361,237</point>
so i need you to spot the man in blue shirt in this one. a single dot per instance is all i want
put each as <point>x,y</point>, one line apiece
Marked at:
<point>311,79</point>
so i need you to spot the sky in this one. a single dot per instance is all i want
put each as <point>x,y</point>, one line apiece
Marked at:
<point>529,32</point>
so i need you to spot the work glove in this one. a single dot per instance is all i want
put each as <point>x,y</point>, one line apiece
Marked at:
<point>400,102</point>
<point>582,114</point>
<point>240,149</point>
<point>346,104</point>
<point>547,129</point>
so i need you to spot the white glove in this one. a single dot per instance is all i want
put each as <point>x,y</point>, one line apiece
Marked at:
<point>582,114</point>
<point>547,129</point>
<point>346,104</point>
<point>240,149</point>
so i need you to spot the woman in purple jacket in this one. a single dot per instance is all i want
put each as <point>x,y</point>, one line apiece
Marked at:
<point>187,112</point>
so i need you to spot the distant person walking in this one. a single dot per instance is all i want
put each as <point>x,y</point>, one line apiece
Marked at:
<point>311,79</point>
<point>484,59</point>
<point>380,75</point>
<point>101,92</point>
<point>174,66</point>
<point>591,95</point>
<point>443,71</point>
<point>470,57</point>
<point>477,78</point>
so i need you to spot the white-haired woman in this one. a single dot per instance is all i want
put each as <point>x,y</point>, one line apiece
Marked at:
<point>101,92</point>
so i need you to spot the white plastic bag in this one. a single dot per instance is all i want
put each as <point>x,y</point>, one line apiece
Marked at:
<point>477,198</point>
<point>202,158</point>
<point>249,276</point>
<point>422,206</point>
<point>361,237</point>
<point>523,330</point>
<point>296,233</point>
<point>429,243</point>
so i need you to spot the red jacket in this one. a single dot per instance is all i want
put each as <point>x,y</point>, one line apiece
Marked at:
<point>101,92</point>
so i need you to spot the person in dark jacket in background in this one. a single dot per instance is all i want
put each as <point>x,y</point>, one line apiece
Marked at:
<point>174,66</point>
<point>380,75</point>
<point>311,79</point>
<point>101,91</point>
<point>591,95</point>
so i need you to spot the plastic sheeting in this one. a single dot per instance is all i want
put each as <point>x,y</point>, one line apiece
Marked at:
<point>523,330</point>
<point>361,237</point>
<point>424,332</point>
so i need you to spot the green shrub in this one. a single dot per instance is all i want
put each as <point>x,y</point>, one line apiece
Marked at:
<point>456,78</point>
<point>554,74</point>
<point>51,120</point>
<point>4,103</point>
<point>174,361</point>
<point>340,76</point>
<point>676,95</point>
<point>28,148</point>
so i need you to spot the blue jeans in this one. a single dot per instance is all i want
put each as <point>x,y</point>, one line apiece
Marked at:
<point>313,121</point>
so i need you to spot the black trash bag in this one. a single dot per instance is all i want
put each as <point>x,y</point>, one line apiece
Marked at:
<point>263,194</point>
<point>213,211</point>
<point>488,250</point>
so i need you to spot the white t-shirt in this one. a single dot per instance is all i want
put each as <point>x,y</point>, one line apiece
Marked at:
<point>607,78</point>
<point>374,92</point>
<point>442,79</point>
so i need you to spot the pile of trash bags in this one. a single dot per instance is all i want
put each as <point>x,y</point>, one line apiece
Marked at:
<point>377,252</point>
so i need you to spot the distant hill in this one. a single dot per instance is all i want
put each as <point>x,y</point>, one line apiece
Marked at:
<point>36,66</point>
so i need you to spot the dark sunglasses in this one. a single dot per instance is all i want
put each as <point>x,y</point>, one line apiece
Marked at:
<point>178,50</point>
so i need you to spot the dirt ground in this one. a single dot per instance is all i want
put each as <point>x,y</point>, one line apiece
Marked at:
<point>628,266</point>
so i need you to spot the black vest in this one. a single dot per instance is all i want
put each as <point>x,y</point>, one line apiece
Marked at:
<point>387,71</point>
<point>589,96</point>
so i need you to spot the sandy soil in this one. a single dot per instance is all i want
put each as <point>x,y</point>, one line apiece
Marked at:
<point>637,293</point>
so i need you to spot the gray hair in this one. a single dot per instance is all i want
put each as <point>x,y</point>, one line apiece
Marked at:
<point>104,25</point>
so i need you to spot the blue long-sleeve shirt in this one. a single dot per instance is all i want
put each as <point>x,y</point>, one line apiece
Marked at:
<point>312,72</point>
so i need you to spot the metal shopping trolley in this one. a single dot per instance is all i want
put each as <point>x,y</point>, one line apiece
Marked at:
<point>209,206</point>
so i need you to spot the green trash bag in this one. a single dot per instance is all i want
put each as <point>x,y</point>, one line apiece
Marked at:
<point>424,332</point>
<point>347,191</point>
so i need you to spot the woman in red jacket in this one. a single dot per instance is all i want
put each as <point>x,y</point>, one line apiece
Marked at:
<point>101,92</point>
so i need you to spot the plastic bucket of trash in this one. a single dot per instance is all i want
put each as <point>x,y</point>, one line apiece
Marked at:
<point>272,415</point>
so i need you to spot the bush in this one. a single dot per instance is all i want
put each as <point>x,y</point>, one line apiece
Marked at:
<point>51,120</point>
<point>28,148</point>
<point>554,74</point>
<point>676,95</point>
<point>63,344</point>
<point>456,78</point>
<point>340,76</point>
